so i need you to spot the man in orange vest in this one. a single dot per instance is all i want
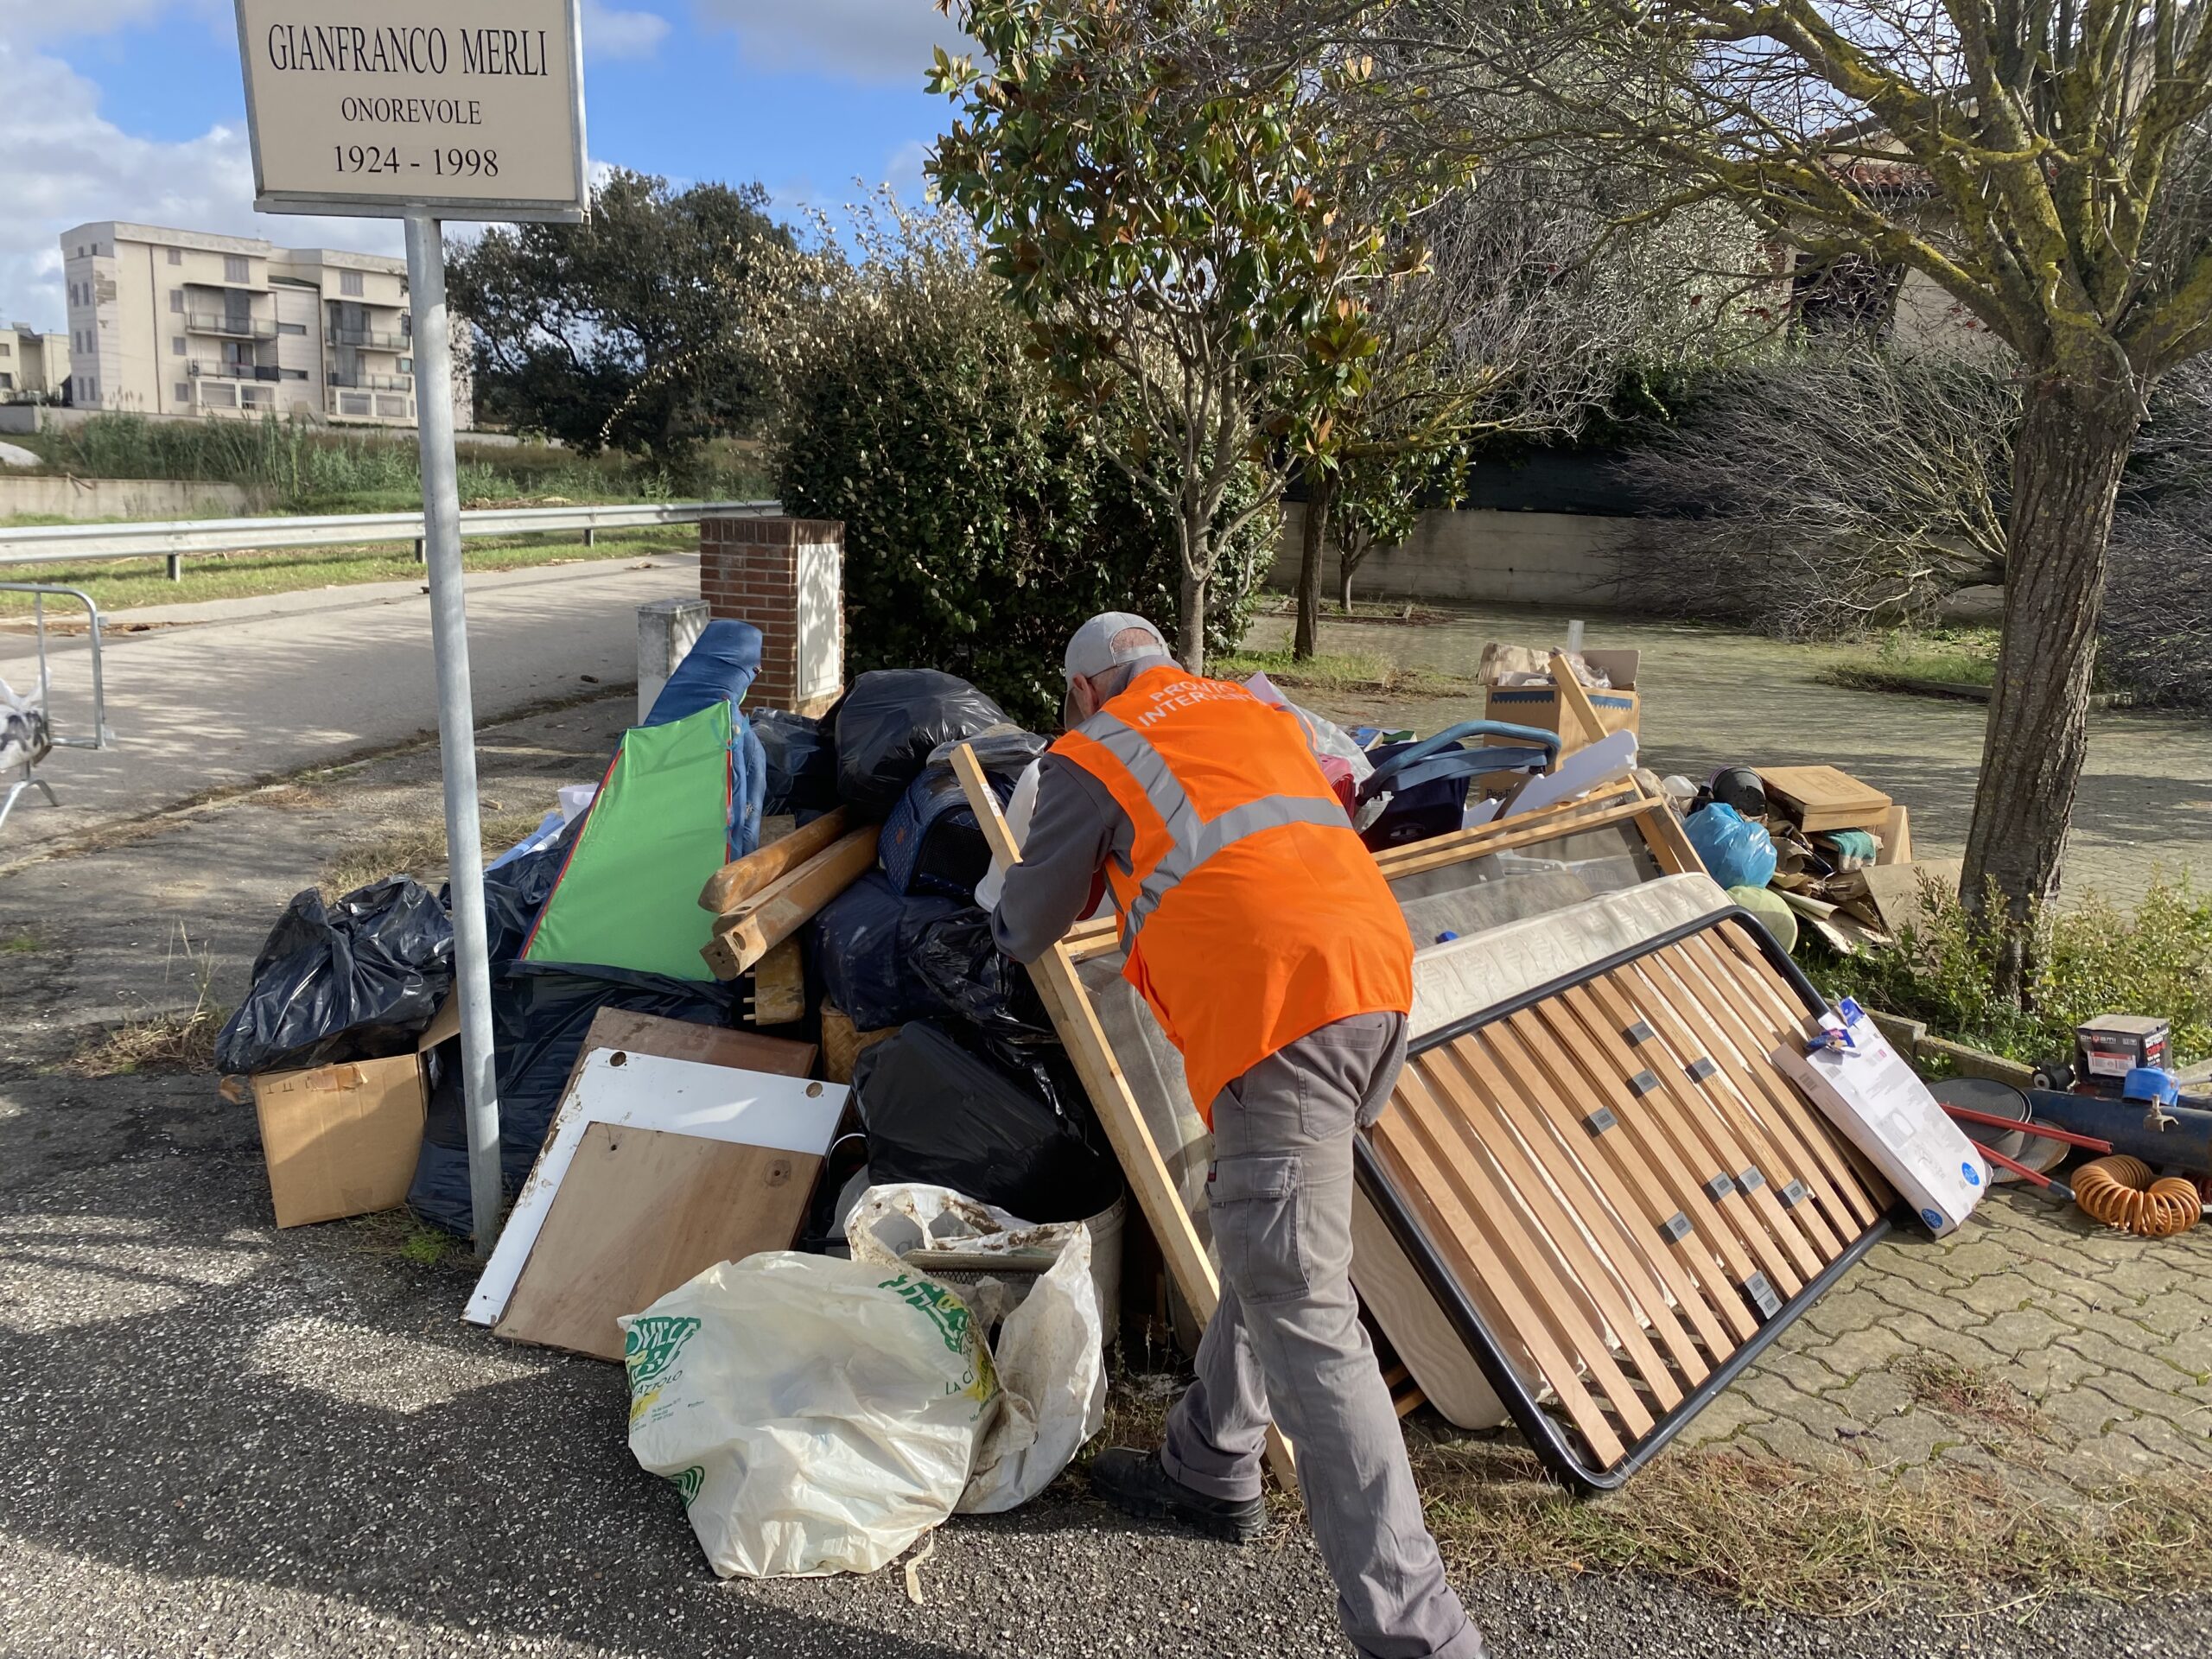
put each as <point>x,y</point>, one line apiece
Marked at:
<point>1267,944</point>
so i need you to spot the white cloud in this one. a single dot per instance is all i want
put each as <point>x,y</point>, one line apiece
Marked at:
<point>903,172</point>
<point>866,39</point>
<point>612,34</point>
<point>67,164</point>
<point>23,23</point>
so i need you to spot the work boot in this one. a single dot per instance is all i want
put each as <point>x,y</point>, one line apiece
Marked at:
<point>1136,1482</point>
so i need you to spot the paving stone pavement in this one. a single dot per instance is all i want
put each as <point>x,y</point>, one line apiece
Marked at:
<point>2032,1345</point>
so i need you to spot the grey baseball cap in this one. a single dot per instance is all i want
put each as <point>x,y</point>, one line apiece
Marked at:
<point>1092,649</point>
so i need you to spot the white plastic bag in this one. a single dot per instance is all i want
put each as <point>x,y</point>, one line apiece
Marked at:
<point>818,1415</point>
<point>1048,1349</point>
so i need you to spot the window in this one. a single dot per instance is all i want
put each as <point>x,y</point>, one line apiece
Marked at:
<point>406,323</point>
<point>407,365</point>
<point>6,381</point>
<point>176,300</point>
<point>183,390</point>
<point>176,256</point>
<point>72,294</point>
<point>6,348</point>
<point>353,402</point>
<point>236,268</point>
<point>293,374</point>
<point>291,328</point>
<point>349,283</point>
<point>176,345</point>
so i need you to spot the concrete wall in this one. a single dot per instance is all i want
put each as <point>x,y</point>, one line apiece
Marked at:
<point>121,498</point>
<point>1480,556</point>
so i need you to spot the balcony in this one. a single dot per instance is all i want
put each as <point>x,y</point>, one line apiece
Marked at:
<point>373,382</point>
<point>231,325</point>
<point>233,370</point>
<point>376,339</point>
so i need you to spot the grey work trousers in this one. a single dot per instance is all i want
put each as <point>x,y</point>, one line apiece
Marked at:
<point>1285,1341</point>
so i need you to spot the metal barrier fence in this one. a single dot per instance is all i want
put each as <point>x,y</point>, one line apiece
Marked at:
<point>181,539</point>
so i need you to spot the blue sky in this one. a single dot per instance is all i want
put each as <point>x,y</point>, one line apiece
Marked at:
<point>132,109</point>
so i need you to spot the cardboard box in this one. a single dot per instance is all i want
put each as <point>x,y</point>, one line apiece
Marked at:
<point>1880,1104</point>
<point>340,1140</point>
<point>1539,705</point>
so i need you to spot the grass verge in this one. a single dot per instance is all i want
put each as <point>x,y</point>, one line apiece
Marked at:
<point>179,1040</point>
<point>416,847</point>
<point>121,584</point>
<point>1340,671</point>
<point>1832,1543</point>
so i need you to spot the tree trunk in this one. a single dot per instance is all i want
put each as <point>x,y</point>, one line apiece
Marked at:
<point>1318,496</point>
<point>1345,565</point>
<point>1190,624</point>
<point>2073,442</point>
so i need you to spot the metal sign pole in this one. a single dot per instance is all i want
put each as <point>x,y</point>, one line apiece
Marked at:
<point>426,282</point>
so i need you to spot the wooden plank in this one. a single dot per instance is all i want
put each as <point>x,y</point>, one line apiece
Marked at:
<point>1669,843</point>
<point>640,1213</point>
<point>1788,1257</point>
<point>1682,1012</point>
<point>1575,709</point>
<point>682,1040</point>
<point>1826,797</point>
<point>1688,1274</point>
<point>1532,1056</point>
<point>745,935</point>
<point>1743,1135</point>
<point>1608,1294</point>
<point>741,878</point>
<point>779,986</point>
<point>1518,1132</point>
<point>1077,1021</point>
<point>1481,1247</point>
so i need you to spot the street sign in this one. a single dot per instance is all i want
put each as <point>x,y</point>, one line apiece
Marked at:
<point>460,108</point>
<point>426,110</point>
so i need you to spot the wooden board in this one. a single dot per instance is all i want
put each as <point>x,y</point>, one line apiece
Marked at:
<point>767,918</point>
<point>1624,1185</point>
<point>779,993</point>
<point>640,1213</point>
<point>681,1039</point>
<point>1826,797</point>
<point>741,878</point>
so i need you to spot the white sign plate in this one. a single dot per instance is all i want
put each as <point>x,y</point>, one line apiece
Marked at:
<point>462,108</point>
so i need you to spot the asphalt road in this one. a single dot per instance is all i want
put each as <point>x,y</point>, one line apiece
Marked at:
<point>229,692</point>
<point>217,1439</point>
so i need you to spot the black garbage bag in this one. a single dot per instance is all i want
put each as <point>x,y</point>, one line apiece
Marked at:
<point>866,940</point>
<point>802,764</point>
<point>888,723</point>
<point>540,1014</point>
<point>352,980</point>
<point>954,957</point>
<point>941,1113</point>
<point>514,894</point>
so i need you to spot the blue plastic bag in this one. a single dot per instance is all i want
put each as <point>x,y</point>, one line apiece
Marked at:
<point>1737,852</point>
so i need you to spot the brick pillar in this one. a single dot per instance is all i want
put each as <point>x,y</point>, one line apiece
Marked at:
<point>785,577</point>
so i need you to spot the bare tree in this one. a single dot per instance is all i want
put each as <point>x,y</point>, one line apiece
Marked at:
<point>2043,162</point>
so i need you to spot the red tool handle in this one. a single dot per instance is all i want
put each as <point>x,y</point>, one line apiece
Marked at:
<point>2021,1169</point>
<point>1991,1120</point>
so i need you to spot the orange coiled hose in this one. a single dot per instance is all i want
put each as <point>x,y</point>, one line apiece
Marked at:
<point>2120,1191</point>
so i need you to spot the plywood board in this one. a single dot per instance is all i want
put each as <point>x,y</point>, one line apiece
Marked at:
<point>640,1213</point>
<point>646,1092</point>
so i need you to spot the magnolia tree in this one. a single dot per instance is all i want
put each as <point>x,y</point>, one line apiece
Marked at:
<point>1198,223</point>
<point>2044,162</point>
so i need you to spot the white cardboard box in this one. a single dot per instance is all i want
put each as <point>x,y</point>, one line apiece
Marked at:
<point>1869,1092</point>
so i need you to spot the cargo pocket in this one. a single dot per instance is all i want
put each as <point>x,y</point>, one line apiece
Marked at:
<point>1254,1201</point>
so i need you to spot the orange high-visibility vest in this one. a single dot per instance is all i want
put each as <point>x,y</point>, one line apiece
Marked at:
<point>1250,912</point>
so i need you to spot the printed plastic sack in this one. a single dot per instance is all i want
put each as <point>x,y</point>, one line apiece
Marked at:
<point>346,982</point>
<point>1736,852</point>
<point>1044,1329</point>
<point>890,721</point>
<point>817,1415</point>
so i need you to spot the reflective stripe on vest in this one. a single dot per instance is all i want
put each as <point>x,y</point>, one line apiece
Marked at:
<point>1194,840</point>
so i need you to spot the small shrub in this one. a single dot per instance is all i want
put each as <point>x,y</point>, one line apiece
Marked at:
<point>2095,958</point>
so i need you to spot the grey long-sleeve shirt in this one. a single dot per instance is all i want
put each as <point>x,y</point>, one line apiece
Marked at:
<point>1077,825</point>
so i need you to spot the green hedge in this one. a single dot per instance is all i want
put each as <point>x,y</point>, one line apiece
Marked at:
<point>982,523</point>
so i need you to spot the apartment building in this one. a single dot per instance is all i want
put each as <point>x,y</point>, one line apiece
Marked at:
<point>185,322</point>
<point>32,366</point>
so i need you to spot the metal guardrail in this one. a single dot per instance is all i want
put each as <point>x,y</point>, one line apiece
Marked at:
<point>179,540</point>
